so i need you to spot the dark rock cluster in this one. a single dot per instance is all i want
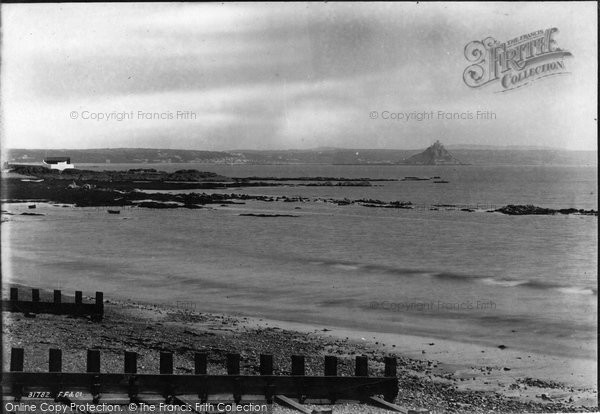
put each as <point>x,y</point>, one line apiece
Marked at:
<point>520,210</point>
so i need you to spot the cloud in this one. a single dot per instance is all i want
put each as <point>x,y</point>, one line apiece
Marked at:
<point>282,75</point>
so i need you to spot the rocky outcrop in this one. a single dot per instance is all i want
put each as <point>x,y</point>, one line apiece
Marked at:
<point>392,204</point>
<point>522,210</point>
<point>138,174</point>
<point>154,204</point>
<point>266,215</point>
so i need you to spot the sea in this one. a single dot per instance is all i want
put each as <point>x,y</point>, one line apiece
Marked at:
<point>527,282</point>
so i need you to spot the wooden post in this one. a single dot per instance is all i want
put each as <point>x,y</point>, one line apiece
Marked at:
<point>166,368</point>
<point>266,364</point>
<point>270,393</point>
<point>233,364</point>
<point>237,390</point>
<point>390,371</point>
<point>55,365</point>
<point>35,295</point>
<point>131,368</point>
<point>130,362</point>
<point>266,368</point>
<point>93,366</point>
<point>57,296</point>
<point>233,368</point>
<point>14,294</point>
<point>331,371</point>
<point>166,362</point>
<point>93,360</point>
<point>330,366</point>
<point>16,365</point>
<point>55,360</point>
<point>297,364</point>
<point>16,359</point>
<point>200,368</point>
<point>200,363</point>
<point>78,297</point>
<point>99,306</point>
<point>390,367</point>
<point>361,369</point>
<point>298,370</point>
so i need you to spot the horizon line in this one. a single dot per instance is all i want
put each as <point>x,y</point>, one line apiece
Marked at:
<point>324,148</point>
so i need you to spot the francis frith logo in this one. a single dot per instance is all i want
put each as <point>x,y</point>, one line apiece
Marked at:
<point>516,62</point>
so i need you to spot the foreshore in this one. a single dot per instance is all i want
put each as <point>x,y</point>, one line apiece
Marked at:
<point>439,375</point>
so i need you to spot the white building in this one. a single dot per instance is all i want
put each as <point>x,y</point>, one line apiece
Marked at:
<point>58,163</point>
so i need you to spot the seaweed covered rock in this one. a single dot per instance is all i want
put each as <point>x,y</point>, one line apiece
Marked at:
<point>521,210</point>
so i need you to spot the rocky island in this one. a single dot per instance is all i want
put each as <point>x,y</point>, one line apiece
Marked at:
<point>436,154</point>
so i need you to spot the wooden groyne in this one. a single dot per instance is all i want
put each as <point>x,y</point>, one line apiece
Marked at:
<point>191,389</point>
<point>57,306</point>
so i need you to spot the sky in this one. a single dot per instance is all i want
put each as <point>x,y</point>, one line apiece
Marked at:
<point>285,75</point>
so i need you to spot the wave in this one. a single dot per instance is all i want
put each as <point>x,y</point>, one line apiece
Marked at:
<point>367,267</point>
<point>345,266</point>
<point>537,284</point>
<point>503,282</point>
<point>578,290</point>
<point>462,277</point>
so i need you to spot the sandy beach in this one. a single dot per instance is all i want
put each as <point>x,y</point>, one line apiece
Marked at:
<point>438,375</point>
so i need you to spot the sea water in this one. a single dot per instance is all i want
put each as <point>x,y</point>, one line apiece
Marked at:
<point>528,282</point>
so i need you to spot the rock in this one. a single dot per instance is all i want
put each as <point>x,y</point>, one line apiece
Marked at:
<point>266,215</point>
<point>520,210</point>
<point>502,346</point>
<point>154,204</point>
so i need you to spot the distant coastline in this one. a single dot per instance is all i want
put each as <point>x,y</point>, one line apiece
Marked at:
<point>330,156</point>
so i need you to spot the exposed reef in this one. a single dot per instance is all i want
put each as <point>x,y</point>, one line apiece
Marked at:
<point>522,210</point>
<point>84,188</point>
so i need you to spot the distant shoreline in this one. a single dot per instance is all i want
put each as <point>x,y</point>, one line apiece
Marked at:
<point>319,156</point>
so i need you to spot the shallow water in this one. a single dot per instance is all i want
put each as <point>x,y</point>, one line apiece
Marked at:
<point>528,282</point>
<point>543,185</point>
